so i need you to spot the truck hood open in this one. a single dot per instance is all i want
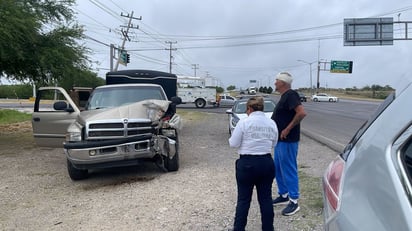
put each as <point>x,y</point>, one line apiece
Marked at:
<point>135,110</point>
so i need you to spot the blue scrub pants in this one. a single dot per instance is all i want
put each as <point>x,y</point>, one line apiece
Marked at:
<point>253,171</point>
<point>286,168</point>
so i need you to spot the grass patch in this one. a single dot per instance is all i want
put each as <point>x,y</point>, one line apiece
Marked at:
<point>312,192</point>
<point>12,116</point>
<point>311,204</point>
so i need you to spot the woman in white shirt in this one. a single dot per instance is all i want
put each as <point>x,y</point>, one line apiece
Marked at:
<point>254,136</point>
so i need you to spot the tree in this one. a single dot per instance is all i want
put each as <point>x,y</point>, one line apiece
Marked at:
<point>38,41</point>
<point>219,90</point>
<point>269,90</point>
<point>231,87</point>
<point>82,78</point>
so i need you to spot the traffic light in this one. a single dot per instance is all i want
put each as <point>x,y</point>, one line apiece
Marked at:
<point>127,58</point>
<point>123,57</point>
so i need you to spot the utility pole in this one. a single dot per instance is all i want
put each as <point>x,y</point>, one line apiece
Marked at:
<point>317,82</point>
<point>310,73</point>
<point>170,54</point>
<point>111,56</point>
<point>195,66</point>
<point>321,68</point>
<point>125,35</point>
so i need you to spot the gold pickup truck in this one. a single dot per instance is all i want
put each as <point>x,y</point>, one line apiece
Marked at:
<point>118,125</point>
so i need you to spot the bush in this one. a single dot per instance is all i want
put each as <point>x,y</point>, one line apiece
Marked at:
<point>23,91</point>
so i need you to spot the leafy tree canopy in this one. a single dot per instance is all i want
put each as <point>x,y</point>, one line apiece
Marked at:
<point>231,87</point>
<point>38,41</point>
<point>219,89</point>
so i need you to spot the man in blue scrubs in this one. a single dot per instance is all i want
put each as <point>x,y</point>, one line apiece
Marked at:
<point>288,114</point>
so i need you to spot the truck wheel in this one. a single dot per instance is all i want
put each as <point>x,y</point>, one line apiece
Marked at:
<point>200,103</point>
<point>75,173</point>
<point>172,165</point>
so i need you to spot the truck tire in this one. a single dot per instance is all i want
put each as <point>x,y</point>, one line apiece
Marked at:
<point>75,173</point>
<point>200,103</point>
<point>172,165</point>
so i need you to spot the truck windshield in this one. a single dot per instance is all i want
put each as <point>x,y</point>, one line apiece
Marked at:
<point>116,96</point>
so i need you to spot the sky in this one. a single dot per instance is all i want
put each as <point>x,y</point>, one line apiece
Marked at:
<point>237,42</point>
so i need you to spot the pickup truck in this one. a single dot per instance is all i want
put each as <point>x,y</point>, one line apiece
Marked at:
<point>121,125</point>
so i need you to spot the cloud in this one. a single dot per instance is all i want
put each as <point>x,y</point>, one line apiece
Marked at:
<point>238,41</point>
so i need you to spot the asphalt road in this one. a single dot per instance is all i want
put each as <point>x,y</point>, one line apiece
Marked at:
<point>332,124</point>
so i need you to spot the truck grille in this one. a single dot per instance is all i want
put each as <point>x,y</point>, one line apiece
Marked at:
<point>123,128</point>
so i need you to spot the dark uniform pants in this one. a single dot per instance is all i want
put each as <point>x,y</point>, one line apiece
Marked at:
<point>253,171</point>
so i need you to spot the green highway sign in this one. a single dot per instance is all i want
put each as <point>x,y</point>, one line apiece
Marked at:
<point>341,66</point>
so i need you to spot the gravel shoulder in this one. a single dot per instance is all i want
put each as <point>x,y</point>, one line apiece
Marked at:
<point>37,193</point>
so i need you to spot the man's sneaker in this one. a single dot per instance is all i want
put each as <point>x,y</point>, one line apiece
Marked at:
<point>280,200</point>
<point>291,209</point>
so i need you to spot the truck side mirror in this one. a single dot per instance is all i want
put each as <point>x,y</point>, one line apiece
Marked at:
<point>176,100</point>
<point>62,106</point>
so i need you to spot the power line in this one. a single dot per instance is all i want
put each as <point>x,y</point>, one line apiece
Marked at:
<point>93,39</point>
<point>106,9</point>
<point>250,43</point>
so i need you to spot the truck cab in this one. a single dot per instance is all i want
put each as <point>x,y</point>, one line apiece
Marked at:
<point>252,90</point>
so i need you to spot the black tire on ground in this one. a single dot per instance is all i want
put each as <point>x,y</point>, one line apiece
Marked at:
<point>330,100</point>
<point>315,99</point>
<point>172,165</point>
<point>200,103</point>
<point>75,173</point>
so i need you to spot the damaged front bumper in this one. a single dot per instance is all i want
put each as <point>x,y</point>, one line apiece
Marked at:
<point>119,152</point>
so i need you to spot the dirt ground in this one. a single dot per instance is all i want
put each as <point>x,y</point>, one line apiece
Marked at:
<point>37,194</point>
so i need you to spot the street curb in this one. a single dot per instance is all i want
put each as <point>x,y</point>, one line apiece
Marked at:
<point>335,146</point>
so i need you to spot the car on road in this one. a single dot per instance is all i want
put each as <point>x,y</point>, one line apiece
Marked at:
<point>225,100</point>
<point>369,185</point>
<point>323,97</point>
<point>238,111</point>
<point>302,97</point>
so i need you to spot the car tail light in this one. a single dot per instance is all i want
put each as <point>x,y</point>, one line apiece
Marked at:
<point>332,182</point>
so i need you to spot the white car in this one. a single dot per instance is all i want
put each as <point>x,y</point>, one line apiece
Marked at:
<point>238,111</point>
<point>323,97</point>
<point>226,101</point>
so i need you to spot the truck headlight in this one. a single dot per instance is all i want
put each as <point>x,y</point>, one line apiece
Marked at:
<point>154,114</point>
<point>74,132</point>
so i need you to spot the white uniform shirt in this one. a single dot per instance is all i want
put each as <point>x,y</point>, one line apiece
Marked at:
<point>254,135</point>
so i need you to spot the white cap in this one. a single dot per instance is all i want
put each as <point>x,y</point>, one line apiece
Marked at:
<point>285,77</point>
